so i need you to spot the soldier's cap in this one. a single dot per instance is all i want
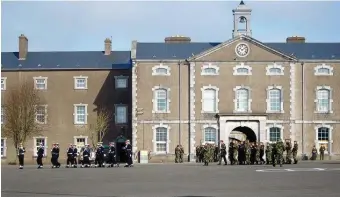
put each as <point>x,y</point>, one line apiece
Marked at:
<point>57,143</point>
<point>221,140</point>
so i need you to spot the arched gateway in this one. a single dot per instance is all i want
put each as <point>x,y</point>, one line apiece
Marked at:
<point>242,133</point>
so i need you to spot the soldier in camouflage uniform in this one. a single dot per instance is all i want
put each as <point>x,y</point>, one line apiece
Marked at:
<point>268,154</point>
<point>261,150</point>
<point>181,153</point>
<point>235,152</point>
<point>198,155</point>
<point>280,149</point>
<point>206,156</point>
<point>177,154</point>
<point>231,152</point>
<point>247,152</point>
<point>257,154</point>
<point>289,152</point>
<point>274,154</point>
<point>223,153</point>
<point>295,150</point>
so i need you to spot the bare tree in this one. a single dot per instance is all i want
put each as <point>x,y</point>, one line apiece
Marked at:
<point>20,109</point>
<point>98,129</point>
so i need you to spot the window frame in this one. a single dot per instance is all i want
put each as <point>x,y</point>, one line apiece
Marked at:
<point>76,78</point>
<point>155,99</point>
<point>329,67</point>
<point>270,126</point>
<point>155,142</point>
<point>4,155</point>
<point>126,113</point>
<point>36,84</point>
<point>121,77</point>
<point>3,83</point>
<point>209,87</point>
<point>75,119</point>
<point>79,137</point>
<point>242,65</point>
<point>209,66</point>
<point>330,100</point>
<point>207,126</point>
<point>161,66</point>
<point>271,88</point>
<point>35,147</point>
<point>330,138</point>
<point>45,115</point>
<point>2,114</point>
<point>236,89</point>
<point>274,66</point>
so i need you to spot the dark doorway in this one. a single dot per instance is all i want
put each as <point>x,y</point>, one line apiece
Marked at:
<point>120,143</point>
<point>248,132</point>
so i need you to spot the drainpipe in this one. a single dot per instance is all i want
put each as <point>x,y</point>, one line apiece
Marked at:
<point>179,102</point>
<point>187,63</point>
<point>303,109</point>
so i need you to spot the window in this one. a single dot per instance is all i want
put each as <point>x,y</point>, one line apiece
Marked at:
<point>121,82</point>
<point>210,135</point>
<point>2,115</point>
<point>324,137</point>
<point>275,69</point>
<point>80,83</point>
<point>323,70</point>
<point>41,114</point>
<point>161,100</point>
<point>3,147</point>
<point>80,141</point>
<point>210,69</point>
<point>161,139</point>
<point>37,142</point>
<point>323,134</point>
<point>242,99</point>
<point>209,99</point>
<point>275,133</point>
<point>80,114</point>
<point>323,100</point>
<point>161,70</point>
<point>121,114</point>
<point>274,99</point>
<point>242,69</point>
<point>3,83</point>
<point>40,83</point>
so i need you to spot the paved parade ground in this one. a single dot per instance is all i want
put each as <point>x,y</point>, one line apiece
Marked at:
<point>158,180</point>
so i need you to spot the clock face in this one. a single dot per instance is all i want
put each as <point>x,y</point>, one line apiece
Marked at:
<point>242,50</point>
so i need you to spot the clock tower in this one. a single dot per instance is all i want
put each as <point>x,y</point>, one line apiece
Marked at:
<point>242,20</point>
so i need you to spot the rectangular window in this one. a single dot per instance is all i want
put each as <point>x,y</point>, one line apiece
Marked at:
<point>41,114</point>
<point>242,99</point>
<point>323,100</point>
<point>161,140</point>
<point>162,100</point>
<point>80,114</point>
<point>40,83</point>
<point>80,141</point>
<point>3,147</point>
<point>80,83</point>
<point>121,82</point>
<point>274,100</point>
<point>37,142</point>
<point>2,115</point>
<point>3,83</point>
<point>209,100</point>
<point>121,114</point>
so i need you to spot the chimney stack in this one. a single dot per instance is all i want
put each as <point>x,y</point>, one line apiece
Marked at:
<point>177,39</point>
<point>108,46</point>
<point>296,39</point>
<point>23,47</point>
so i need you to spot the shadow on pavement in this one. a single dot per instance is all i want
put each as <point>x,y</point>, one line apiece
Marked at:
<point>332,163</point>
<point>50,194</point>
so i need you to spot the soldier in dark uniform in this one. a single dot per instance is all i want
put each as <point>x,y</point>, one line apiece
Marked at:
<point>253,153</point>
<point>231,152</point>
<point>181,153</point>
<point>75,156</point>
<point>57,155</point>
<point>21,156</point>
<point>262,153</point>
<point>242,153</point>
<point>294,151</point>
<point>54,155</point>
<point>40,154</point>
<point>223,153</point>
<point>86,157</point>
<point>69,161</point>
<point>112,156</point>
<point>99,156</point>
<point>128,151</point>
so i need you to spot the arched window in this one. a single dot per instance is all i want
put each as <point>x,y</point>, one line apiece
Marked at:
<point>275,70</point>
<point>161,140</point>
<point>325,71</point>
<point>209,98</point>
<point>161,100</point>
<point>210,135</point>
<point>242,71</point>
<point>275,100</point>
<point>274,134</point>
<point>242,100</point>
<point>323,100</point>
<point>210,71</point>
<point>162,71</point>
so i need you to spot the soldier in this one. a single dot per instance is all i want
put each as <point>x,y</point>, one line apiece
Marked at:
<point>274,154</point>
<point>54,155</point>
<point>231,152</point>
<point>295,150</point>
<point>268,154</point>
<point>322,152</point>
<point>223,153</point>
<point>40,154</point>
<point>247,152</point>
<point>181,154</point>
<point>112,156</point>
<point>75,156</point>
<point>216,152</point>
<point>253,153</point>
<point>206,156</point>
<point>257,154</point>
<point>21,156</point>
<point>262,153</point>
<point>280,149</point>
<point>57,155</point>
<point>69,161</point>
<point>314,153</point>
<point>177,153</point>
<point>86,157</point>
<point>128,150</point>
<point>99,156</point>
<point>198,156</point>
<point>289,152</point>
<point>241,153</point>
<point>235,152</point>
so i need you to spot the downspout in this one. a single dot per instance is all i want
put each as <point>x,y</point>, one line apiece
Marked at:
<point>179,103</point>
<point>302,111</point>
<point>189,110</point>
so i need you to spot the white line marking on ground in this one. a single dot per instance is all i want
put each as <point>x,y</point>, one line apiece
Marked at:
<point>320,169</point>
<point>290,170</point>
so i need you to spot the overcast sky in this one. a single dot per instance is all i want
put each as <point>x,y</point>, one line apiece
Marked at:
<point>83,26</point>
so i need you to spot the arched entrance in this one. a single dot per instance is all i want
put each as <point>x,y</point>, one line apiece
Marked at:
<point>120,143</point>
<point>242,133</point>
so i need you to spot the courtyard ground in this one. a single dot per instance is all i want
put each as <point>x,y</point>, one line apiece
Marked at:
<point>182,180</point>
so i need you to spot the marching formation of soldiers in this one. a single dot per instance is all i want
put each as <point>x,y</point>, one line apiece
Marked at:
<point>84,160</point>
<point>248,153</point>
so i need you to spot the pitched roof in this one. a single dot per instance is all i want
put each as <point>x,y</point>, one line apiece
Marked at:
<point>171,51</point>
<point>66,60</point>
